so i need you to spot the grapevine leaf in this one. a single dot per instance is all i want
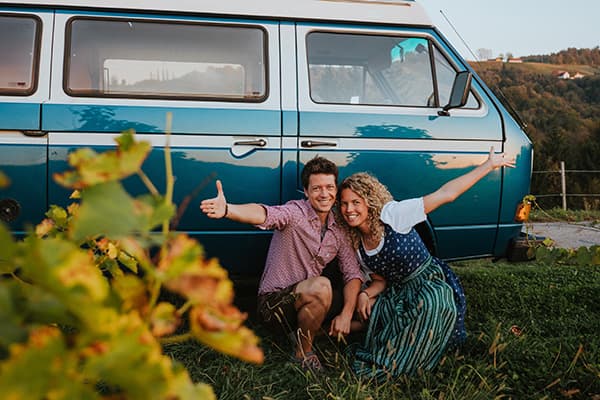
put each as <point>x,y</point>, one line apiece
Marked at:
<point>132,292</point>
<point>545,255</point>
<point>7,251</point>
<point>4,180</point>
<point>58,215</point>
<point>222,330</point>
<point>183,254</point>
<point>159,210</point>
<point>184,271</point>
<point>595,250</point>
<point>43,307</point>
<point>106,210</point>
<point>43,368</point>
<point>129,262</point>
<point>92,168</point>
<point>109,265</point>
<point>131,348</point>
<point>68,272</point>
<point>45,228</point>
<point>11,328</point>
<point>181,386</point>
<point>137,250</point>
<point>201,288</point>
<point>164,319</point>
<point>583,256</point>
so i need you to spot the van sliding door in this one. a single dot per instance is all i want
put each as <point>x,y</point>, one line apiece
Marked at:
<point>368,98</point>
<point>25,43</point>
<point>216,79</point>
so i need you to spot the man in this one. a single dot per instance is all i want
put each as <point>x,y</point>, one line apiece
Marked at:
<point>292,293</point>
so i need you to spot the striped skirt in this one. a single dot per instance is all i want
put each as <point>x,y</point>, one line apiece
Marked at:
<point>410,325</point>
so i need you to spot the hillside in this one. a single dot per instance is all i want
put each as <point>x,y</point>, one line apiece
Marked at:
<point>538,67</point>
<point>562,117</point>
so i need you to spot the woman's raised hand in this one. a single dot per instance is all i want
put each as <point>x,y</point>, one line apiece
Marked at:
<point>497,160</point>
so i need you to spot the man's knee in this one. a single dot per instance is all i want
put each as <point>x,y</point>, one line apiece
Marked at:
<point>315,289</point>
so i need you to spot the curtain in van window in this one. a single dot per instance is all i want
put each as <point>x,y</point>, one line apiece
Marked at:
<point>135,58</point>
<point>18,54</point>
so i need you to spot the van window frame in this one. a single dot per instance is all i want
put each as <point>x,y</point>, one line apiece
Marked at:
<point>176,97</point>
<point>431,46</point>
<point>37,48</point>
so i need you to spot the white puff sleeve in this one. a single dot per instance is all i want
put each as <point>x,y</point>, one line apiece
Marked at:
<point>403,215</point>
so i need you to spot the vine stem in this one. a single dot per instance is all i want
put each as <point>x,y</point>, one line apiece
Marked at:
<point>168,168</point>
<point>148,183</point>
<point>184,307</point>
<point>544,211</point>
<point>16,278</point>
<point>176,338</point>
<point>154,293</point>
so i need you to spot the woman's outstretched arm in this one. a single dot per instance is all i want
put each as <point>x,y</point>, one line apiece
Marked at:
<point>454,188</point>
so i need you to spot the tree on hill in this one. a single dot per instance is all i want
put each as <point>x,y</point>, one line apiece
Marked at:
<point>563,121</point>
<point>569,56</point>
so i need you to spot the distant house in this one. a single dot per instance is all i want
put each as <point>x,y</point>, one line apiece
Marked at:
<point>577,75</point>
<point>497,59</point>
<point>514,60</point>
<point>562,74</point>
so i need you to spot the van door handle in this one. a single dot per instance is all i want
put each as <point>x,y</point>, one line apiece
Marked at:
<point>34,133</point>
<point>257,142</point>
<point>316,143</point>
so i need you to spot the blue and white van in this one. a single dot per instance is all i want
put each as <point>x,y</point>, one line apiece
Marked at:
<point>256,88</point>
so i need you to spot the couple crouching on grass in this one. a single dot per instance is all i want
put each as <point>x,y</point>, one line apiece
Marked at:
<point>407,300</point>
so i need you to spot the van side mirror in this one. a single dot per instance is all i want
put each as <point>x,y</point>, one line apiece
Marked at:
<point>460,92</point>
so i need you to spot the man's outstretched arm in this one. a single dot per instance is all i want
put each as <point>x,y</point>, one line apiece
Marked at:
<point>217,207</point>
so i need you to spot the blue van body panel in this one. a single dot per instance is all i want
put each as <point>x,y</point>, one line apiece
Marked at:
<point>23,116</point>
<point>100,118</point>
<point>401,126</point>
<point>519,177</point>
<point>243,254</point>
<point>25,166</point>
<point>289,123</point>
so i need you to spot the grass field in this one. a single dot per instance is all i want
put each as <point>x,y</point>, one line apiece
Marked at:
<point>533,334</point>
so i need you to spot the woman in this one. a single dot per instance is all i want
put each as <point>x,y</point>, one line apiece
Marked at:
<point>420,303</point>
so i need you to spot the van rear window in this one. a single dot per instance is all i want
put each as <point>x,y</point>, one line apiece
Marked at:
<point>146,59</point>
<point>19,44</point>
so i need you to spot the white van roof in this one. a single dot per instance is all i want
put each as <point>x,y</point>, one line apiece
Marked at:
<point>395,12</point>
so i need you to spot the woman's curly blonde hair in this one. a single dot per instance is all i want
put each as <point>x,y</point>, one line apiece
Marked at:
<point>375,194</point>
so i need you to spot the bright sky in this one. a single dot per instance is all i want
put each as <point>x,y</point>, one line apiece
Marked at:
<point>520,27</point>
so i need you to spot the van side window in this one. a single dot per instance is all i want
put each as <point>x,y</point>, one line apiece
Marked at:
<point>19,48</point>
<point>445,74</point>
<point>146,59</point>
<point>376,70</point>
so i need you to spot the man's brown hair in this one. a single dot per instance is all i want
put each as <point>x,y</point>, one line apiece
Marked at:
<point>318,165</point>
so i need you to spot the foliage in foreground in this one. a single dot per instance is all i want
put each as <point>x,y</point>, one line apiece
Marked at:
<point>533,334</point>
<point>80,297</point>
<point>546,251</point>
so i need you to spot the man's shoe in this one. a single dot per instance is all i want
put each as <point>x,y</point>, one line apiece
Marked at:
<point>310,362</point>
